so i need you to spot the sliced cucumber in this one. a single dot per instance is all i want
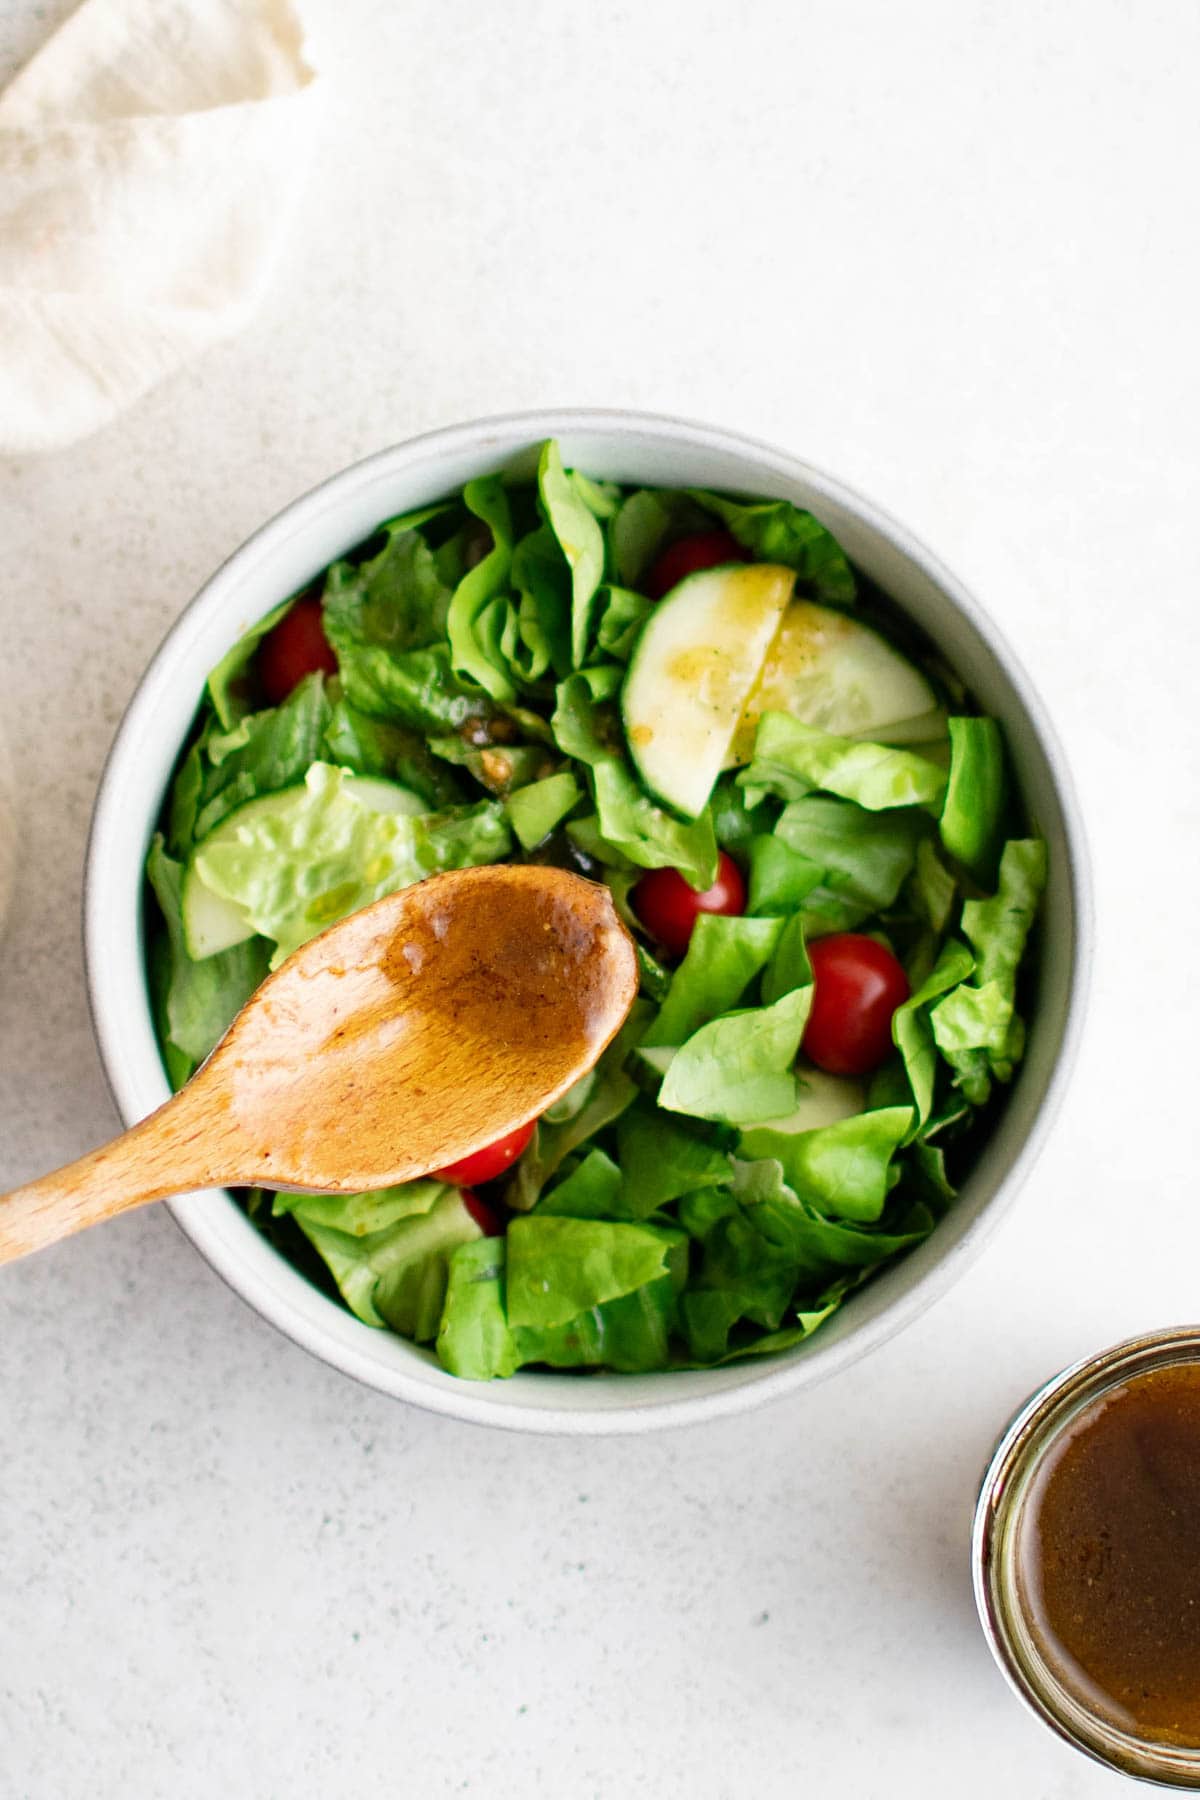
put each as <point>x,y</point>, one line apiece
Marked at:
<point>838,675</point>
<point>692,670</point>
<point>212,923</point>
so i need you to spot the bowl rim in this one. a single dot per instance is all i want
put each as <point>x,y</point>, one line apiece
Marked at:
<point>763,1381</point>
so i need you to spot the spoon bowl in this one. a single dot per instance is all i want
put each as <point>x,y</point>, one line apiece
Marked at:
<point>400,1040</point>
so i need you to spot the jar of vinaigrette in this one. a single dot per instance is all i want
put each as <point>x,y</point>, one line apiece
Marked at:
<point>1086,1556</point>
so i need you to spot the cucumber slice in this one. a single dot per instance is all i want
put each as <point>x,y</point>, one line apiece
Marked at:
<point>840,676</point>
<point>692,670</point>
<point>210,922</point>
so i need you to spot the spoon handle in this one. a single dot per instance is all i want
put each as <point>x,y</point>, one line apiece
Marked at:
<point>167,1153</point>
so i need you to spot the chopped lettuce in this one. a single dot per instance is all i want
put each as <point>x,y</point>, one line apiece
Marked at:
<point>781,879</point>
<point>649,835</point>
<point>263,752</point>
<point>865,856</point>
<point>978,1019</point>
<point>976,795</point>
<point>632,1331</point>
<point>395,1276</point>
<point>322,854</point>
<point>386,620</point>
<point>535,809</point>
<point>738,1069</point>
<point>479,610</point>
<point>912,1032</point>
<point>560,1267</point>
<point>722,959</point>
<point>580,539</point>
<point>791,759</point>
<point>593,1190</point>
<point>845,1168</point>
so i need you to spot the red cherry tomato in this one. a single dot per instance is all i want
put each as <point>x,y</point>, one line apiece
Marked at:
<point>857,986</point>
<point>492,1160</point>
<point>484,1216</point>
<point>669,907</point>
<point>703,550</point>
<point>294,648</point>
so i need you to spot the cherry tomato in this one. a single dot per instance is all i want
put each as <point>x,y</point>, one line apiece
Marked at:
<point>294,648</point>
<point>703,550</point>
<point>668,906</point>
<point>484,1216</point>
<point>857,986</point>
<point>492,1160</point>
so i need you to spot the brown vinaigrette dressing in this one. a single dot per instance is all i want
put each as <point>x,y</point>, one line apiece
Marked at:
<point>1108,1555</point>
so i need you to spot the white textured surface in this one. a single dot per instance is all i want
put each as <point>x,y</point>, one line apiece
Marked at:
<point>946,251</point>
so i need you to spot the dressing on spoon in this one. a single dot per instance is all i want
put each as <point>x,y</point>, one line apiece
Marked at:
<point>402,1039</point>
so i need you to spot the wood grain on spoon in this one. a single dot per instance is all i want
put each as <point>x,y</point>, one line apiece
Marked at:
<point>406,1037</point>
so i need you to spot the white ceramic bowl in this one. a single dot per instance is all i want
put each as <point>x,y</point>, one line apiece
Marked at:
<point>283,557</point>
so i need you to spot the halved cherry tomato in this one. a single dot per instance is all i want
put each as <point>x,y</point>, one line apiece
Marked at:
<point>487,1220</point>
<point>687,555</point>
<point>668,906</point>
<point>492,1160</point>
<point>857,986</point>
<point>294,648</point>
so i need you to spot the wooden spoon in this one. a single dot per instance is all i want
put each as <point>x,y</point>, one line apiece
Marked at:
<point>406,1037</point>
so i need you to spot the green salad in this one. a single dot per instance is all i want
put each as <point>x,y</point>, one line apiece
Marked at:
<point>802,817</point>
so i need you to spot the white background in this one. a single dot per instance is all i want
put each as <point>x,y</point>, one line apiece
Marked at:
<point>947,250</point>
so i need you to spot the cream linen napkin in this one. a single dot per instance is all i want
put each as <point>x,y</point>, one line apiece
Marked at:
<point>151,157</point>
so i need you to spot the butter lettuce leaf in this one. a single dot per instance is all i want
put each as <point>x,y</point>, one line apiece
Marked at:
<point>844,1169</point>
<point>976,795</point>
<point>737,1069</point>
<point>865,856</point>
<point>264,751</point>
<point>301,866</point>
<point>580,539</point>
<point>386,620</point>
<point>780,878</point>
<point>606,1091</point>
<point>590,1191</point>
<point>630,1332</point>
<point>722,959</point>
<point>647,834</point>
<point>977,1020</point>
<point>662,1158</point>
<point>396,1276</point>
<point>474,651</point>
<point>791,759</point>
<point>912,1032</point>
<point>558,1268</point>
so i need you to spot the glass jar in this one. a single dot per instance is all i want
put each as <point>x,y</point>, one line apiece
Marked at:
<point>1000,1542</point>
